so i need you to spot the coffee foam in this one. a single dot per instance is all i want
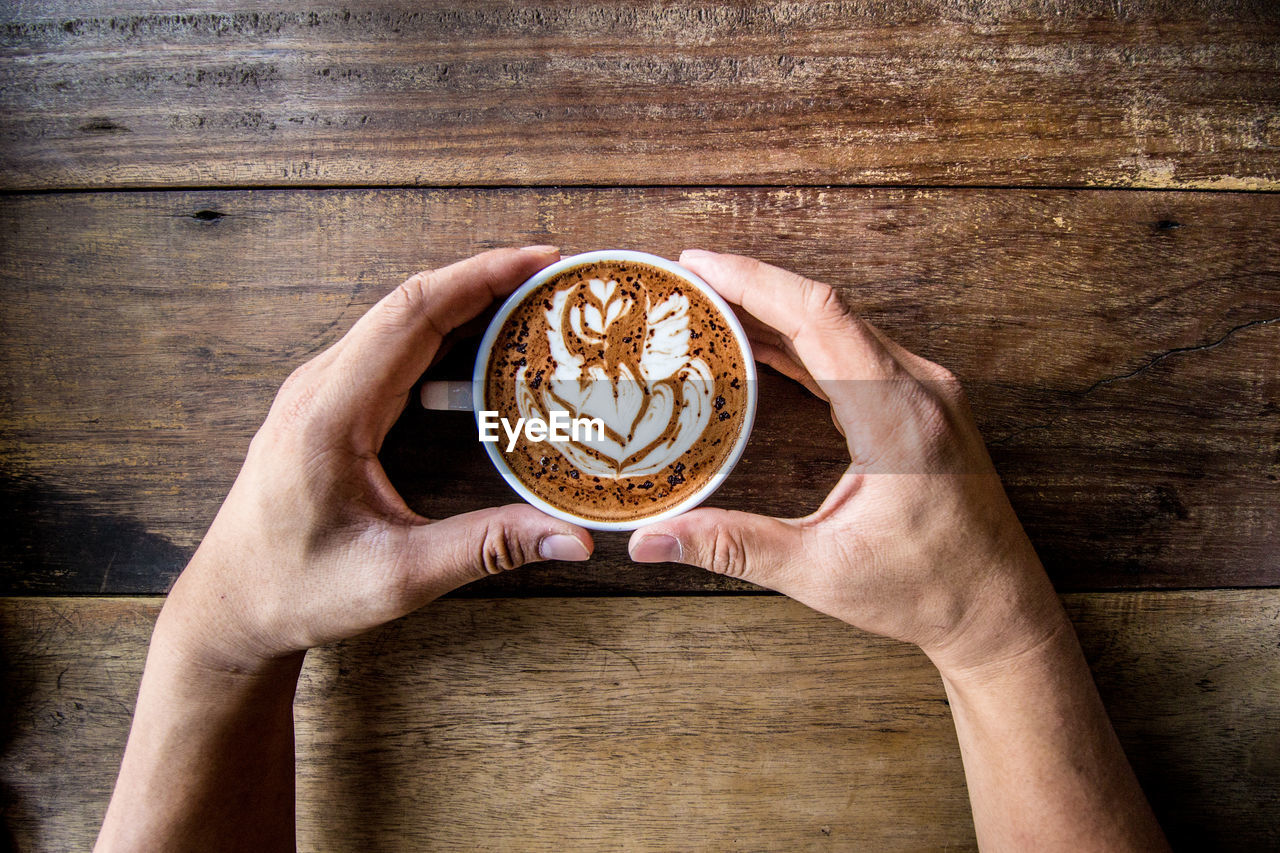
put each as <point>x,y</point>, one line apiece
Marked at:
<point>645,352</point>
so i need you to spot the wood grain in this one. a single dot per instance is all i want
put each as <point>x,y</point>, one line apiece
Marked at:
<point>689,723</point>
<point>1120,351</point>
<point>1151,93</point>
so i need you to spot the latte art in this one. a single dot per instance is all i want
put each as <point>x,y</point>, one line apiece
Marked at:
<point>654,406</point>
<point>644,352</point>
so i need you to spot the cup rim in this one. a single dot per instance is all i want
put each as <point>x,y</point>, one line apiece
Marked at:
<point>517,297</point>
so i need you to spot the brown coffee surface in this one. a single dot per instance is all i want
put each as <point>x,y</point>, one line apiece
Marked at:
<point>648,353</point>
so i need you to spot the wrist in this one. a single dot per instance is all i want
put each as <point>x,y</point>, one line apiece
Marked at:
<point>1017,617</point>
<point>196,663</point>
<point>202,630</point>
<point>1032,656</point>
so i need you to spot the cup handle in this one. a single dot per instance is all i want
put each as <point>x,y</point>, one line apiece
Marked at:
<point>450,395</point>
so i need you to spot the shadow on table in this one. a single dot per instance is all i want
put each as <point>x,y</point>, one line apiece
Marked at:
<point>361,743</point>
<point>12,696</point>
<point>59,542</point>
<point>1190,685</point>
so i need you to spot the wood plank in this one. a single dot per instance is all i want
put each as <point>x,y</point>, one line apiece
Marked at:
<point>1152,93</point>
<point>1120,350</point>
<point>651,724</point>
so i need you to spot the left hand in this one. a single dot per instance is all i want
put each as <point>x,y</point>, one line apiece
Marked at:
<point>917,541</point>
<point>313,544</point>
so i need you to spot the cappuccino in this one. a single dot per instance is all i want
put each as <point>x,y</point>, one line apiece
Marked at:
<point>637,351</point>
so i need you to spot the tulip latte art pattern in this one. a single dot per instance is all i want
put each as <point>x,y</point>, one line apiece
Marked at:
<point>653,406</point>
<point>643,351</point>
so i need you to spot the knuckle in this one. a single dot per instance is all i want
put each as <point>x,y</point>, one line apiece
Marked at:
<point>410,298</point>
<point>500,552</point>
<point>946,384</point>
<point>823,300</point>
<point>824,311</point>
<point>934,425</point>
<point>296,379</point>
<point>728,557</point>
<point>934,420</point>
<point>941,374</point>
<point>298,418</point>
<point>296,401</point>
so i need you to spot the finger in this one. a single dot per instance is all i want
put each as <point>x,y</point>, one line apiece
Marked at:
<point>829,340</point>
<point>942,383</point>
<point>464,548</point>
<point>754,548</point>
<point>390,347</point>
<point>468,333</point>
<point>920,368</point>
<point>771,348</point>
<point>782,362</point>
<point>838,350</point>
<point>785,364</point>
<point>758,331</point>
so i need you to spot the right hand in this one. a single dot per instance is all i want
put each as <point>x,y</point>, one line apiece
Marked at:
<point>917,541</point>
<point>313,544</point>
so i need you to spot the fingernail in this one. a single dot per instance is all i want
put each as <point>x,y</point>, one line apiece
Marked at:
<point>658,548</point>
<point>546,250</point>
<point>696,253</point>
<point>562,546</point>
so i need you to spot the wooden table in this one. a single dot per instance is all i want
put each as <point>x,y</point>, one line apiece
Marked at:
<point>1073,205</point>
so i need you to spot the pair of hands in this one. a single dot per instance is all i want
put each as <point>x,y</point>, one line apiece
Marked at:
<point>917,541</point>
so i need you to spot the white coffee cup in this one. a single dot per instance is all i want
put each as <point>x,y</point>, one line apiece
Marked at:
<point>463,396</point>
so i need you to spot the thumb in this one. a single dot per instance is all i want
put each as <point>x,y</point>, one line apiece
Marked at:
<point>754,548</point>
<point>463,548</point>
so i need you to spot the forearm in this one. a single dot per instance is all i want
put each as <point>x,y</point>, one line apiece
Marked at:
<point>1044,767</point>
<point>209,762</point>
